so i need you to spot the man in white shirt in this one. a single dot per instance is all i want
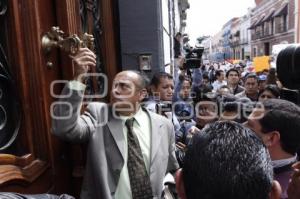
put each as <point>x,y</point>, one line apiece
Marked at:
<point>220,80</point>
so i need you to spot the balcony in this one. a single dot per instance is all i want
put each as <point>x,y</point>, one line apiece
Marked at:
<point>234,43</point>
<point>183,15</point>
<point>261,34</point>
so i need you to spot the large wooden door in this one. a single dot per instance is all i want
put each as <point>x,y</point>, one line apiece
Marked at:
<point>36,161</point>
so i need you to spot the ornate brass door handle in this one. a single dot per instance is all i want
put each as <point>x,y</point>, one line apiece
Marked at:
<point>56,38</point>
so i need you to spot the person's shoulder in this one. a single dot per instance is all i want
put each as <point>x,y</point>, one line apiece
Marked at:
<point>241,94</point>
<point>159,118</point>
<point>156,116</point>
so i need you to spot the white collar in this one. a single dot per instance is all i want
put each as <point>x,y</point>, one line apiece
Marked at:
<point>283,162</point>
<point>138,116</point>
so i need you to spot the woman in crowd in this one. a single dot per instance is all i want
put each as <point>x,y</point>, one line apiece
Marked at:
<point>270,91</point>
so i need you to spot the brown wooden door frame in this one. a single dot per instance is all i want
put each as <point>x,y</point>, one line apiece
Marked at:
<point>38,170</point>
<point>24,30</point>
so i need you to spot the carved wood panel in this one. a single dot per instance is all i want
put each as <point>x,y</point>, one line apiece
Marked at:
<point>41,161</point>
<point>9,102</point>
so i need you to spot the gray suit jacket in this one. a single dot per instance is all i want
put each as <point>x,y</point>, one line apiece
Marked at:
<point>104,134</point>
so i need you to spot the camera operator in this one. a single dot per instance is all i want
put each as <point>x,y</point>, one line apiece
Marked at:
<point>192,59</point>
<point>177,45</point>
<point>190,77</point>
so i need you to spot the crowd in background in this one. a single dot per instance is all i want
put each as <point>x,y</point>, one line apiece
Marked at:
<point>224,92</point>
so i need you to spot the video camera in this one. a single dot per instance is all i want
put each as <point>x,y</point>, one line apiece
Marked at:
<point>288,70</point>
<point>193,57</point>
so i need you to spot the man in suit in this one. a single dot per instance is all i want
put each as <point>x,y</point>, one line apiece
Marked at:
<point>233,79</point>
<point>251,88</point>
<point>277,123</point>
<point>228,161</point>
<point>124,140</point>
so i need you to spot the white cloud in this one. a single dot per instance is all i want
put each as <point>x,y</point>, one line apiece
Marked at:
<point>208,17</point>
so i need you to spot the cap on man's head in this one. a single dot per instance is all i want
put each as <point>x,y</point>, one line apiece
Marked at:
<point>262,77</point>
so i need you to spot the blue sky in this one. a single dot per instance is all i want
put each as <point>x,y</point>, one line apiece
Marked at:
<point>208,17</point>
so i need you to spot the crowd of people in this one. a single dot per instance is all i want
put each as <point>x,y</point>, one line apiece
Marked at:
<point>225,97</point>
<point>209,132</point>
<point>223,132</point>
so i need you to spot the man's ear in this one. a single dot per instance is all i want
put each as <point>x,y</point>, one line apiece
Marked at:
<point>180,184</point>
<point>275,190</point>
<point>143,94</point>
<point>273,139</point>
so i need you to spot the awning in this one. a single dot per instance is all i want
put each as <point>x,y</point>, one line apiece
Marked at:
<point>282,11</point>
<point>257,22</point>
<point>269,16</point>
<point>260,21</point>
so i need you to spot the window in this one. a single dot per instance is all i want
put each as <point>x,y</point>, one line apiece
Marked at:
<point>281,24</point>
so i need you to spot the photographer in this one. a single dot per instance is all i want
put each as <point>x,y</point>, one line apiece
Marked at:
<point>183,103</point>
<point>206,112</point>
<point>161,94</point>
<point>160,102</point>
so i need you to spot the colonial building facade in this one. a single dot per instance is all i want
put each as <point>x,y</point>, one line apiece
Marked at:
<point>245,36</point>
<point>271,22</point>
